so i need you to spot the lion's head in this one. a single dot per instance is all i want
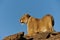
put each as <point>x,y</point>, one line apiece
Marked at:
<point>24,18</point>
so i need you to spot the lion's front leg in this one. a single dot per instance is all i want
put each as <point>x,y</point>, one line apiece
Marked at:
<point>30,31</point>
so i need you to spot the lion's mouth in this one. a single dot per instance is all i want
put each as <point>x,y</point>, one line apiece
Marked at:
<point>21,22</point>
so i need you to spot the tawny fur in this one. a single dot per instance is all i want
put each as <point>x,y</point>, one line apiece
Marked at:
<point>34,25</point>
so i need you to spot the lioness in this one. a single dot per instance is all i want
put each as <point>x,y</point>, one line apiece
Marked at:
<point>34,25</point>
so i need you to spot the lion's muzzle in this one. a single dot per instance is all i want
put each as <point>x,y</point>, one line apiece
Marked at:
<point>21,21</point>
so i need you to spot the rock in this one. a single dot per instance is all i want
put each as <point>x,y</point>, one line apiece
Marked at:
<point>14,36</point>
<point>36,36</point>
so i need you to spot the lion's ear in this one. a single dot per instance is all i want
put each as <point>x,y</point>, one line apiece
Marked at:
<point>27,15</point>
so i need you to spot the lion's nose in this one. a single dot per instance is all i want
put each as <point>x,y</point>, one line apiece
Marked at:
<point>21,21</point>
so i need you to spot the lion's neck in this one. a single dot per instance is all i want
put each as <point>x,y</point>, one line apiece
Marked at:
<point>28,20</point>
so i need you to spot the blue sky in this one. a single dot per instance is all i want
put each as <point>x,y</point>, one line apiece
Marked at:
<point>12,10</point>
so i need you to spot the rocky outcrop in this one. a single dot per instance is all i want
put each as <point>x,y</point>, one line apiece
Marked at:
<point>36,36</point>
